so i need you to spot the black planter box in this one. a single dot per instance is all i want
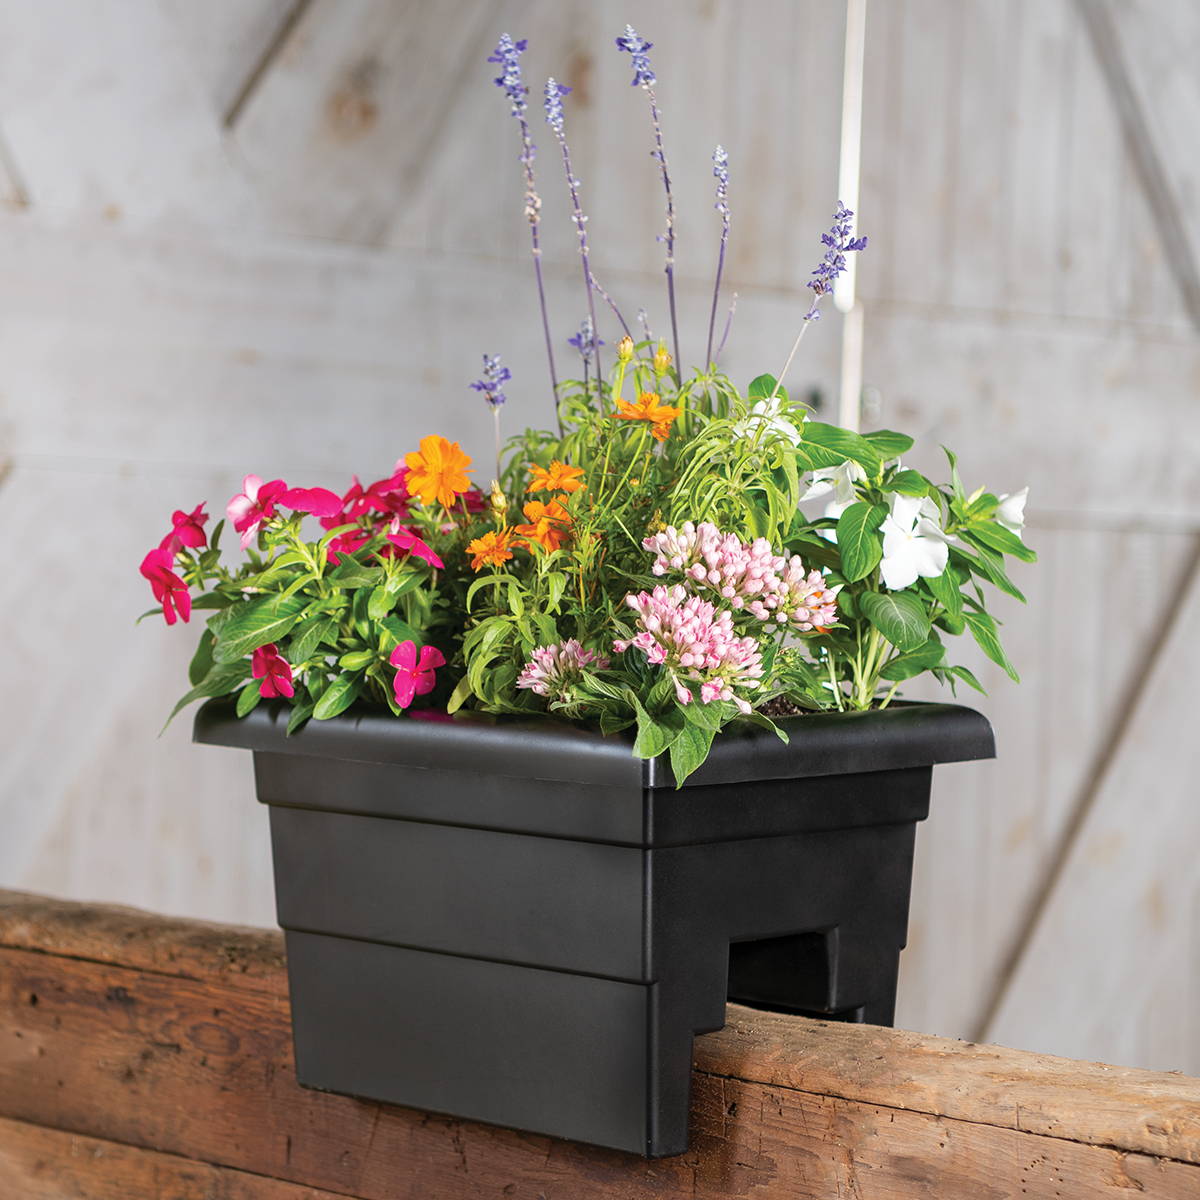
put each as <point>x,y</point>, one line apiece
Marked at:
<point>522,924</point>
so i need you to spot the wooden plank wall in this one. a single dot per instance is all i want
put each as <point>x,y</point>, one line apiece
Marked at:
<point>275,235</point>
<point>144,1057</point>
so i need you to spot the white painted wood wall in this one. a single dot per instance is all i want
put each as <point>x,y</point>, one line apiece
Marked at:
<point>276,236</point>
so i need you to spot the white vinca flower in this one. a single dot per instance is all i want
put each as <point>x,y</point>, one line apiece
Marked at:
<point>913,542</point>
<point>770,418</point>
<point>837,482</point>
<point>1011,513</point>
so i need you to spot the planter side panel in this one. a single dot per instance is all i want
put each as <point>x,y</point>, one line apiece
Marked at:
<point>559,1053</point>
<point>549,902</point>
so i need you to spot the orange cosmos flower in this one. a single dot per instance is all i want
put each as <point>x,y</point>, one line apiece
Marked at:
<point>491,550</point>
<point>649,408</point>
<point>438,471</point>
<point>557,477</point>
<point>549,524</point>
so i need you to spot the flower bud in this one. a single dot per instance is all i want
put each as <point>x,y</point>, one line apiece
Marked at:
<point>498,500</point>
<point>662,360</point>
<point>625,349</point>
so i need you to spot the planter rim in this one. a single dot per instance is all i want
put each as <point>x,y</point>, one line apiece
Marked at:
<point>903,735</point>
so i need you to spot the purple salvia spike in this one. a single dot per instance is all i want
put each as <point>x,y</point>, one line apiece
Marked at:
<point>721,173</point>
<point>507,55</point>
<point>632,43</point>
<point>838,242</point>
<point>554,93</point>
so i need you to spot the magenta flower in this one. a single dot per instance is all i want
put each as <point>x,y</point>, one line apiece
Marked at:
<point>254,505</point>
<point>169,589</point>
<point>414,676</point>
<point>408,542</point>
<point>346,543</point>
<point>388,496</point>
<point>187,529</point>
<point>321,502</point>
<point>267,664</point>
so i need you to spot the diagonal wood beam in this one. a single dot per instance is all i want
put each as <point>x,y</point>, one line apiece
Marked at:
<point>1162,662</point>
<point>270,53</point>
<point>1143,150</point>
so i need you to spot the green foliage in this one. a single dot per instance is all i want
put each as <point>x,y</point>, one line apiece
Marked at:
<point>742,462</point>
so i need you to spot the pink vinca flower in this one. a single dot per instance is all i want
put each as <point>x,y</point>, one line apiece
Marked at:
<point>254,505</point>
<point>408,542</point>
<point>345,543</point>
<point>414,675</point>
<point>554,668</point>
<point>321,502</point>
<point>187,529</point>
<point>695,644</point>
<point>169,589</point>
<point>267,664</point>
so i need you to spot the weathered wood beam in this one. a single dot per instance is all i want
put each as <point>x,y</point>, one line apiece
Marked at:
<point>136,1048</point>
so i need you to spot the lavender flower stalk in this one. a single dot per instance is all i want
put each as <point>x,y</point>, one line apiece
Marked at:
<point>721,172</point>
<point>554,93</point>
<point>495,376</point>
<point>728,327</point>
<point>507,55</point>
<point>636,46</point>
<point>585,341</point>
<point>838,242</point>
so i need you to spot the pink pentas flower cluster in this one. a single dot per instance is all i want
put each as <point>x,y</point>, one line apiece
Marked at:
<point>553,669</point>
<point>696,644</point>
<point>749,577</point>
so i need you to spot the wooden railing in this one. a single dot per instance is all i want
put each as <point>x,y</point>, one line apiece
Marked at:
<point>143,1056</point>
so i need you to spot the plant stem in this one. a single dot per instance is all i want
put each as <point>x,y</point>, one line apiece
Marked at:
<point>712,316</point>
<point>660,154</point>
<point>533,206</point>
<point>581,228</point>
<point>795,346</point>
<point>728,326</point>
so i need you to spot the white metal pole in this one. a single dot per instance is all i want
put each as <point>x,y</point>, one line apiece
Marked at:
<point>849,165</point>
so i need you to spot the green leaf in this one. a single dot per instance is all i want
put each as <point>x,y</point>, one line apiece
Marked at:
<point>248,699</point>
<point>923,658</point>
<point>946,591</point>
<point>255,624</point>
<point>655,735</point>
<point>984,630</point>
<point>765,722</point>
<point>858,540</point>
<point>899,616</point>
<point>709,716</point>
<point>307,636</point>
<point>761,388</point>
<point>1002,540</point>
<point>908,483</point>
<point>349,574</point>
<point>889,443</point>
<point>689,749</point>
<point>202,660</point>
<point>300,714</point>
<point>967,677</point>
<point>987,565</point>
<point>461,694</point>
<point>357,659</point>
<point>380,604</point>
<point>220,681</point>
<point>849,445</point>
<point>611,722</point>
<point>338,697</point>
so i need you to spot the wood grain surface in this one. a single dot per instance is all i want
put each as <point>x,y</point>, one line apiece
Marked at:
<point>148,1057</point>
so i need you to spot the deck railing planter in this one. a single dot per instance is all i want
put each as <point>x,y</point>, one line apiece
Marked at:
<point>520,923</point>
